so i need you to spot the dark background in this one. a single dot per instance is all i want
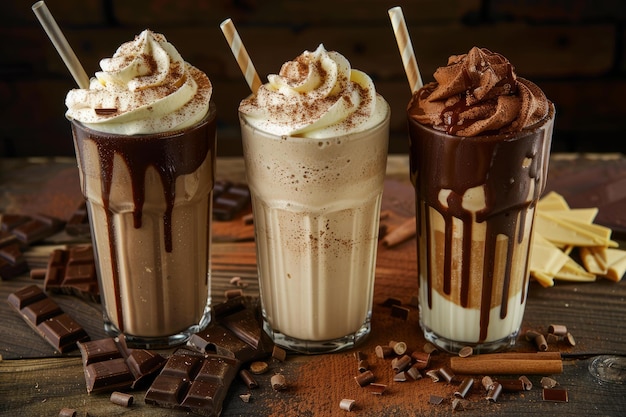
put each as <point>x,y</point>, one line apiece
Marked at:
<point>574,50</point>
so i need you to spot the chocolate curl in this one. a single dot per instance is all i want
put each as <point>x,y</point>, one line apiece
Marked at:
<point>406,48</point>
<point>241,54</point>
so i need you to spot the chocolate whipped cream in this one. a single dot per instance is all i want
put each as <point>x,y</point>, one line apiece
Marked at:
<point>479,93</point>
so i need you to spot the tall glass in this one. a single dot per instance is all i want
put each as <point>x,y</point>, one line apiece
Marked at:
<point>149,203</point>
<point>316,205</point>
<point>475,201</point>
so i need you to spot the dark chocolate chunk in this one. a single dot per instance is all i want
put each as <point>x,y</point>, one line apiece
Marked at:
<point>236,332</point>
<point>37,228</point>
<point>78,223</point>
<point>193,382</point>
<point>12,262</point>
<point>47,318</point>
<point>110,365</point>
<point>555,394</point>
<point>73,271</point>
<point>229,199</point>
<point>9,222</point>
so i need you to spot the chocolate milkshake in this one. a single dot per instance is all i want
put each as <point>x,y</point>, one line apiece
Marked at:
<point>144,134</point>
<point>479,148</point>
<point>315,147</point>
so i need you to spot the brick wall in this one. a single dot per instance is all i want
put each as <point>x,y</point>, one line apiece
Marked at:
<point>574,49</point>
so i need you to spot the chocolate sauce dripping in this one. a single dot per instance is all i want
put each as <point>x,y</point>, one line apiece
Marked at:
<point>171,156</point>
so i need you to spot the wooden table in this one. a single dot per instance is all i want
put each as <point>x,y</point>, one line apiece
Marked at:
<point>35,380</point>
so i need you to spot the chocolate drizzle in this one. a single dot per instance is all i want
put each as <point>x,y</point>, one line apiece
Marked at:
<point>171,154</point>
<point>457,164</point>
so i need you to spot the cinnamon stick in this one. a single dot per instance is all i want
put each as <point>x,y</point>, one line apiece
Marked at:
<point>401,233</point>
<point>509,363</point>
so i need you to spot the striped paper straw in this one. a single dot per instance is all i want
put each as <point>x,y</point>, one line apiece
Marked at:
<point>406,48</point>
<point>241,55</point>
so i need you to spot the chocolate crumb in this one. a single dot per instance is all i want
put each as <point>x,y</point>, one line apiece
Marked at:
<point>466,351</point>
<point>67,412</point>
<point>435,399</point>
<point>279,353</point>
<point>278,382</point>
<point>527,383</point>
<point>548,382</point>
<point>258,367</point>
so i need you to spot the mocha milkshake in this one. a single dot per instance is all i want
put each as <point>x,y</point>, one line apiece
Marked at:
<point>479,147</point>
<point>315,146</point>
<point>144,134</point>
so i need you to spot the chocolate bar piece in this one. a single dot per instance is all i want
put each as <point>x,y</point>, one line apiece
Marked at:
<point>12,261</point>
<point>110,365</point>
<point>229,199</point>
<point>236,332</point>
<point>193,382</point>
<point>9,222</point>
<point>45,316</point>
<point>73,271</point>
<point>37,228</point>
<point>78,224</point>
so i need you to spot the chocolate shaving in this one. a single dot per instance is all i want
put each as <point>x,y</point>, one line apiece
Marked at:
<point>105,111</point>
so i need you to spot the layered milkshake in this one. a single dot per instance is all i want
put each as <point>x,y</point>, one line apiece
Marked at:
<point>144,135</point>
<point>479,148</point>
<point>315,143</point>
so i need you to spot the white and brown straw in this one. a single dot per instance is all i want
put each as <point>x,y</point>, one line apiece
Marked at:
<point>406,48</point>
<point>60,43</point>
<point>241,55</point>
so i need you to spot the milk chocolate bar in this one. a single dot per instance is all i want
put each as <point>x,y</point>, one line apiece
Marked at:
<point>46,317</point>
<point>194,382</point>
<point>37,228</point>
<point>229,199</point>
<point>110,365</point>
<point>73,271</point>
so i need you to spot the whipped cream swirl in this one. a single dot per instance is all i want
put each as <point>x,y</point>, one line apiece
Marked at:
<point>317,95</point>
<point>145,88</point>
<point>479,93</point>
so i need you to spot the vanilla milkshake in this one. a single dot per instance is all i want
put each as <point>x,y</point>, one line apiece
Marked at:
<point>479,148</point>
<point>144,134</point>
<point>315,143</point>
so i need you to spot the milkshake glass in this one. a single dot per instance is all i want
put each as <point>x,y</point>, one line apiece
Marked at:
<point>148,183</point>
<point>316,202</point>
<point>477,182</point>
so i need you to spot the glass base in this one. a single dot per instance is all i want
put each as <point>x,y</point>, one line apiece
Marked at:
<point>313,347</point>
<point>454,346</point>
<point>161,342</point>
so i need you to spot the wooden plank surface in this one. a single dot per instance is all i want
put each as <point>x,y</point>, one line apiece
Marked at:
<point>34,380</point>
